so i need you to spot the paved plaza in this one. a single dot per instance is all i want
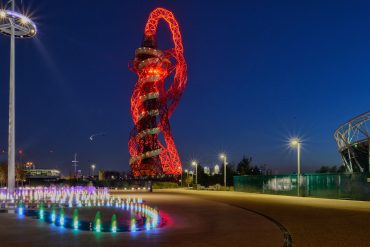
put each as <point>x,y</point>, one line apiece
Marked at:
<point>208,218</point>
<point>309,221</point>
<point>192,221</point>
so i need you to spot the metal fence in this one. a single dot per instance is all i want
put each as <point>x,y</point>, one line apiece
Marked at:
<point>354,186</point>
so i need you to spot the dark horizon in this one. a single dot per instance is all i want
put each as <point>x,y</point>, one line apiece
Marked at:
<point>259,72</point>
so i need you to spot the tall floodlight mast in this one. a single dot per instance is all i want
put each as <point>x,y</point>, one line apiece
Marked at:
<point>152,104</point>
<point>15,25</point>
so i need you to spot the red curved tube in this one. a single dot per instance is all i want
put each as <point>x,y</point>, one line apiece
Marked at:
<point>151,145</point>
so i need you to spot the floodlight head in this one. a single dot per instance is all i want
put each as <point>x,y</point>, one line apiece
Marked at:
<point>24,27</point>
<point>2,14</point>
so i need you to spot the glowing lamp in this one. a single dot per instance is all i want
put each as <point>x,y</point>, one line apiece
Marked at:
<point>294,142</point>
<point>24,20</point>
<point>2,14</point>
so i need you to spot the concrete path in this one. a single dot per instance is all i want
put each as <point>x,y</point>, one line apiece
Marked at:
<point>310,221</point>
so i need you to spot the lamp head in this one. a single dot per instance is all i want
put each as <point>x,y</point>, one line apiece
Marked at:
<point>294,142</point>
<point>2,14</point>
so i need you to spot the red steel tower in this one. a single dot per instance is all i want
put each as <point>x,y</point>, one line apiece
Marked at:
<point>151,145</point>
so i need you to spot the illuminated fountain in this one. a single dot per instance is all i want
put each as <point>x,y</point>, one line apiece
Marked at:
<point>55,204</point>
<point>60,206</point>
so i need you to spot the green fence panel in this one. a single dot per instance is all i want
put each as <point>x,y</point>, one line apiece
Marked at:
<point>354,186</point>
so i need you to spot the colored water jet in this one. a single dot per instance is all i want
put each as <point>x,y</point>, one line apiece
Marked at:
<point>133,223</point>
<point>75,218</point>
<point>61,217</point>
<point>41,210</point>
<point>20,207</point>
<point>97,222</point>
<point>114,223</point>
<point>53,214</point>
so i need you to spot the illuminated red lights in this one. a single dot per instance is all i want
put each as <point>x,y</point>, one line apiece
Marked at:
<point>151,145</point>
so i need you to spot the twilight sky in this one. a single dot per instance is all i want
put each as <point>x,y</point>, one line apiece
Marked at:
<point>259,73</point>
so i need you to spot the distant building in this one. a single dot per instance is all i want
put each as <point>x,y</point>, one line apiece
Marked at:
<point>109,175</point>
<point>29,165</point>
<point>207,170</point>
<point>216,169</point>
<point>101,176</point>
<point>42,174</point>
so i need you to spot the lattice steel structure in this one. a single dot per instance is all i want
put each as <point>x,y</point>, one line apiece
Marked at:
<point>353,140</point>
<point>151,145</point>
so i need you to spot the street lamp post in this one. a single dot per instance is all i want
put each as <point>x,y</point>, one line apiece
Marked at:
<point>194,163</point>
<point>297,143</point>
<point>187,176</point>
<point>181,178</point>
<point>223,157</point>
<point>216,169</point>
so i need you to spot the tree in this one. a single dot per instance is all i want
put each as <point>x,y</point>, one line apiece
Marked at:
<point>328,169</point>
<point>3,173</point>
<point>244,166</point>
<point>255,170</point>
<point>188,180</point>
<point>323,169</point>
<point>341,169</point>
<point>20,175</point>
